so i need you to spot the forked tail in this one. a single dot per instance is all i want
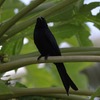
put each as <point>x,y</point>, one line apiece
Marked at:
<point>67,82</point>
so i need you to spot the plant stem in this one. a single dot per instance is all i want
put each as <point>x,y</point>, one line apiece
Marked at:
<point>33,60</point>
<point>18,92</point>
<point>65,52</point>
<point>80,49</point>
<point>73,54</point>
<point>18,16</point>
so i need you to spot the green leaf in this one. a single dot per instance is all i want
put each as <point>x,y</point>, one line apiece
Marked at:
<point>64,14</point>
<point>83,36</point>
<point>64,30</point>
<point>40,77</point>
<point>96,94</point>
<point>8,48</point>
<point>13,47</point>
<point>30,46</point>
<point>86,9</point>
<point>18,46</point>
<point>18,84</point>
<point>97,18</point>
<point>4,89</point>
<point>7,10</point>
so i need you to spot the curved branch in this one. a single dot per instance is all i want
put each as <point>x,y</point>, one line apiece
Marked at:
<point>33,60</point>
<point>65,52</point>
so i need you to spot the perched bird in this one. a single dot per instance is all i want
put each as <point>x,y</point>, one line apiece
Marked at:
<point>47,46</point>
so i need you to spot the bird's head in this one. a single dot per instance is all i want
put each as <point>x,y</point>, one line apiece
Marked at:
<point>41,22</point>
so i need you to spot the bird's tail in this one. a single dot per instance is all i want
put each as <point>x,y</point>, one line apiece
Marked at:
<point>67,82</point>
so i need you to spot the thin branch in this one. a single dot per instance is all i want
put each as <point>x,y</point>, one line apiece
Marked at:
<point>65,97</point>
<point>65,52</point>
<point>33,60</point>
<point>18,92</point>
<point>18,16</point>
<point>96,53</point>
<point>80,49</point>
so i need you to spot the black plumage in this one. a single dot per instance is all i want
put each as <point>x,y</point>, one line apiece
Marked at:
<point>47,46</point>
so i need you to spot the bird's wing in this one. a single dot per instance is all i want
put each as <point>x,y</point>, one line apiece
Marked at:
<point>51,39</point>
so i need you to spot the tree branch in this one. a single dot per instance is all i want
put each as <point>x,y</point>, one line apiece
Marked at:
<point>18,16</point>
<point>33,60</point>
<point>65,52</point>
<point>18,92</point>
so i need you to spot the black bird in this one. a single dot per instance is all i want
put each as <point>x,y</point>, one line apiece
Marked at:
<point>47,46</point>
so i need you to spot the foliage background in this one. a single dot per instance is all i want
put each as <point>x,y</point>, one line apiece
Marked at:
<point>68,18</point>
